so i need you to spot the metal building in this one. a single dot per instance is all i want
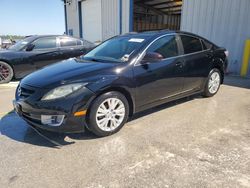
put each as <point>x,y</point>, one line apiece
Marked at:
<point>224,22</point>
<point>97,20</point>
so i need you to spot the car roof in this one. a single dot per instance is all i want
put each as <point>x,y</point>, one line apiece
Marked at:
<point>41,36</point>
<point>156,33</point>
<point>148,33</point>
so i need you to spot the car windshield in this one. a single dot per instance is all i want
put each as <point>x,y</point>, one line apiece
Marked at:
<point>20,44</point>
<point>117,49</point>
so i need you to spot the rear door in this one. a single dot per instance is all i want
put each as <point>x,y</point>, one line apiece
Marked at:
<point>163,79</point>
<point>197,61</point>
<point>71,47</point>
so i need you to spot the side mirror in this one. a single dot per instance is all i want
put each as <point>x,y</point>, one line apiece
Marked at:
<point>152,57</point>
<point>30,47</point>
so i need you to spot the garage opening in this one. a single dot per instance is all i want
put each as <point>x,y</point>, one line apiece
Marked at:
<point>157,14</point>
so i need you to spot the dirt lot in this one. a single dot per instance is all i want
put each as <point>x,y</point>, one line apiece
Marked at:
<point>193,142</point>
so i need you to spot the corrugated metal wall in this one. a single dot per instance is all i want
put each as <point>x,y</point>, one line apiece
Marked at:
<point>110,18</point>
<point>224,22</point>
<point>125,15</point>
<point>72,18</point>
<point>101,19</point>
<point>92,20</point>
<point>115,22</point>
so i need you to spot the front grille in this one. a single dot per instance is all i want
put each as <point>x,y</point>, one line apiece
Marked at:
<point>24,92</point>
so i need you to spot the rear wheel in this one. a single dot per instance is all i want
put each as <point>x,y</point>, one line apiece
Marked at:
<point>108,113</point>
<point>6,72</point>
<point>213,83</point>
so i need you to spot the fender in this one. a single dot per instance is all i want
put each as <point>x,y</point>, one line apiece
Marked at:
<point>218,62</point>
<point>115,83</point>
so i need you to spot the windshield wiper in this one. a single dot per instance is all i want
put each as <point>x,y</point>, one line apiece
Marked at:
<point>92,59</point>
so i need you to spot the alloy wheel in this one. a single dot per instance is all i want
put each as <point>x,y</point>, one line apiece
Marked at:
<point>110,114</point>
<point>214,82</point>
<point>4,72</point>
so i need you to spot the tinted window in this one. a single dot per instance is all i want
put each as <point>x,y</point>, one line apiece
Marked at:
<point>166,46</point>
<point>44,43</point>
<point>88,44</point>
<point>191,44</point>
<point>79,43</point>
<point>64,42</point>
<point>206,44</point>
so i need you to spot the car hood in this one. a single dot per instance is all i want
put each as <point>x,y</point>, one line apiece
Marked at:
<point>68,71</point>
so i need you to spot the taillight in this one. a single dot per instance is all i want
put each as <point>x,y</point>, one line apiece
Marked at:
<point>226,53</point>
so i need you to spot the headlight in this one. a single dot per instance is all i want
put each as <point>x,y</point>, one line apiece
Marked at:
<point>63,91</point>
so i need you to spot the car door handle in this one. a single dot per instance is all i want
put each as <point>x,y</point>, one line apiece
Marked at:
<point>179,64</point>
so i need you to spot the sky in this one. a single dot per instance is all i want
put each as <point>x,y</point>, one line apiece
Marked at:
<point>30,17</point>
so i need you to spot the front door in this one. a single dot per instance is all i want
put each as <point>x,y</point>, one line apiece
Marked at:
<point>162,79</point>
<point>45,52</point>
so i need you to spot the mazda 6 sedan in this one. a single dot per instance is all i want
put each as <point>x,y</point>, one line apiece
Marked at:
<point>122,76</point>
<point>36,52</point>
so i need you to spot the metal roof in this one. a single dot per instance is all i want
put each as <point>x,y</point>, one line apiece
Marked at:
<point>161,6</point>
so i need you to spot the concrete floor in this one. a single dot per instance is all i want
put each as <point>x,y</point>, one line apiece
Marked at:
<point>193,142</point>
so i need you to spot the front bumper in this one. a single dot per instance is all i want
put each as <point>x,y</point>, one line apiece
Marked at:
<point>32,108</point>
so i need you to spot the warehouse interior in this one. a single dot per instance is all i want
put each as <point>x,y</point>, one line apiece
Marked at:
<point>156,14</point>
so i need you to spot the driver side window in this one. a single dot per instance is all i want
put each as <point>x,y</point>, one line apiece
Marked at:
<point>45,43</point>
<point>166,46</point>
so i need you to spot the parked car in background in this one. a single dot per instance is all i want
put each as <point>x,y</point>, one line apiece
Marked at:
<point>118,78</point>
<point>35,52</point>
<point>6,43</point>
<point>0,43</point>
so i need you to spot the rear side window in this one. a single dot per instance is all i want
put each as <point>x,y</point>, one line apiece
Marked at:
<point>191,44</point>
<point>88,44</point>
<point>166,46</point>
<point>79,43</point>
<point>66,42</point>
<point>207,45</point>
<point>45,43</point>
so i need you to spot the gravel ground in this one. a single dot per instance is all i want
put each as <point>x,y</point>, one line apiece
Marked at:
<point>193,142</point>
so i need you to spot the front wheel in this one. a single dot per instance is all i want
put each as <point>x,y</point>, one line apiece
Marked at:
<point>6,72</point>
<point>213,83</point>
<point>108,113</point>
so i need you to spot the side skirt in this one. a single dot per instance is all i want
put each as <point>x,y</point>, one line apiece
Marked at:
<point>166,100</point>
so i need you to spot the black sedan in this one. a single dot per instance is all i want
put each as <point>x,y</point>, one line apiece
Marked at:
<point>120,77</point>
<point>35,52</point>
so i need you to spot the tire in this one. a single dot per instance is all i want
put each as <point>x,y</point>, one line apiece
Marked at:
<point>213,83</point>
<point>6,72</point>
<point>105,119</point>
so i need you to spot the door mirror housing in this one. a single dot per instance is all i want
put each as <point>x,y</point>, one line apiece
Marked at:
<point>30,47</point>
<point>152,57</point>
